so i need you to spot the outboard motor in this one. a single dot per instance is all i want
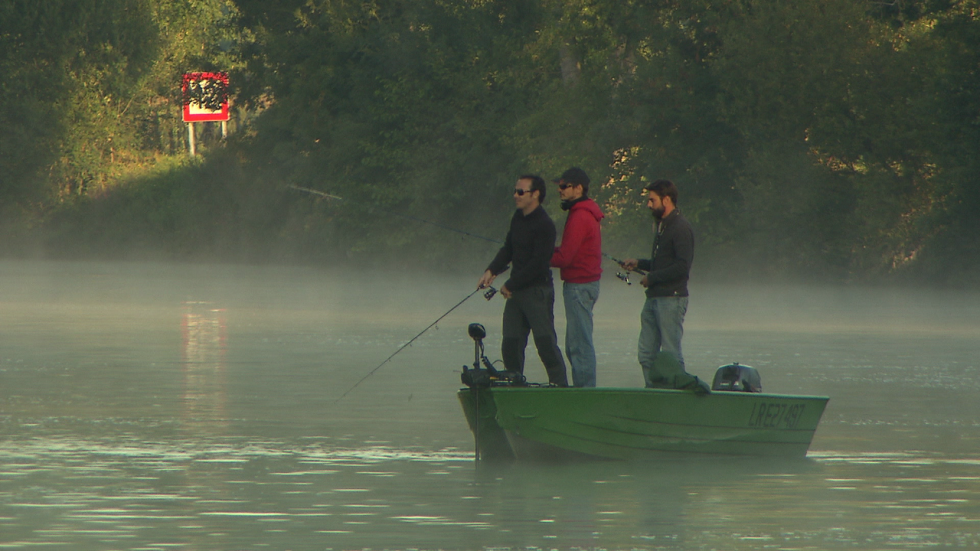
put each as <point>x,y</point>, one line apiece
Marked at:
<point>737,378</point>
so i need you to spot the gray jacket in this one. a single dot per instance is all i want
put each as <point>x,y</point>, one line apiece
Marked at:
<point>669,267</point>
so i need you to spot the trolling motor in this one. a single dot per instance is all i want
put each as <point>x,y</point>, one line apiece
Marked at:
<point>486,375</point>
<point>477,332</point>
<point>477,376</point>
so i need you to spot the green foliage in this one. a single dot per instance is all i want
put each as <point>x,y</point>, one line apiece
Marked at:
<point>89,87</point>
<point>182,209</point>
<point>408,106</point>
<point>827,139</point>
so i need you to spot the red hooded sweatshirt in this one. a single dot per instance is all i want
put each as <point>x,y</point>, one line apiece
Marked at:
<point>580,254</point>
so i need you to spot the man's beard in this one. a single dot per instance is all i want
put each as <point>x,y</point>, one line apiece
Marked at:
<point>658,213</point>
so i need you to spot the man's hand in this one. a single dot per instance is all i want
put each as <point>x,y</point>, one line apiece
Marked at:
<point>505,292</point>
<point>485,280</point>
<point>644,282</point>
<point>630,264</point>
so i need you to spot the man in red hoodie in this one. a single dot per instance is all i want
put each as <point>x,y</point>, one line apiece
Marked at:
<point>580,258</point>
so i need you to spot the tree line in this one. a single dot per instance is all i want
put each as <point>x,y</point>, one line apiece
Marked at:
<point>833,140</point>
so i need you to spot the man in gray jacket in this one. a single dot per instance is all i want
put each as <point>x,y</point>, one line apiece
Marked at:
<point>668,270</point>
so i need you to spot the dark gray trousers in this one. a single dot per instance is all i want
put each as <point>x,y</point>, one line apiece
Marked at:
<point>532,310</point>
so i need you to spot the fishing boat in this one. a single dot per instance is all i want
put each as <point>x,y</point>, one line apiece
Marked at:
<point>511,419</point>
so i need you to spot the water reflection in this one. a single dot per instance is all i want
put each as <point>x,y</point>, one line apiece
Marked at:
<point>249,494</point>
<point>204,329</point>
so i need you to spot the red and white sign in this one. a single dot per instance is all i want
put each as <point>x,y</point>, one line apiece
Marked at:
<point>205,97</point>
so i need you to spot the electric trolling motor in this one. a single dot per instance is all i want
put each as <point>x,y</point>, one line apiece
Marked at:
<point>486,375</point>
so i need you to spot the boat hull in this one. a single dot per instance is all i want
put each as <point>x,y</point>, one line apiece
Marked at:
<point>636,424</point>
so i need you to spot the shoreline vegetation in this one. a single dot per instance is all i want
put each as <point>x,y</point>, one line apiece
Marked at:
<point>827,142</point>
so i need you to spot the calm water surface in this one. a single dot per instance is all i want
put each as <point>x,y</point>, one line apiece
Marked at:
<point>160,407</point>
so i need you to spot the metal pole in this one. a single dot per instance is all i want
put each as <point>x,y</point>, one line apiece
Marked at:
<point>476,433</point>
<point>190,139</point>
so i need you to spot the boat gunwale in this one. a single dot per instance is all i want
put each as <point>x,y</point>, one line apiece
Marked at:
<point>641,390</point>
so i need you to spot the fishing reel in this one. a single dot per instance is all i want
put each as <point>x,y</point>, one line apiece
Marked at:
<point>489,294</point>
<point>625,276</point>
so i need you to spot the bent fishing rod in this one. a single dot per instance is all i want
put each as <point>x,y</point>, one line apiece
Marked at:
<point>621,275</point>
<point>488,293</point>
<point>408,216</point>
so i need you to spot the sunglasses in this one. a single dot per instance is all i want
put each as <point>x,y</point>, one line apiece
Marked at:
<point>521,192</point>
<point>563,187</point>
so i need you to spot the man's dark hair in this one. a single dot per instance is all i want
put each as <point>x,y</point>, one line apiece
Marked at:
<point>537,184</point>
<point>575,176</point>
<point>663,188</point>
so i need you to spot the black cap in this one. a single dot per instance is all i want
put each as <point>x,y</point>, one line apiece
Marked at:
<point>575,175</point>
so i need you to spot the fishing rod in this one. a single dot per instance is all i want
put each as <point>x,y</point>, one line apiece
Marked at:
<point>624,276</point>
<point>488,293</point>
<point>408,216</point>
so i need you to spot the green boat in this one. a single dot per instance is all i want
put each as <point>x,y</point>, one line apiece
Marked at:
<point>513,420</point>
<point>636,423</point>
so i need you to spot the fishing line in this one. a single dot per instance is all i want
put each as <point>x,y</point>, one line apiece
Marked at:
<point>488,294</point>
<point>408,216</point>
<point>620,275</point>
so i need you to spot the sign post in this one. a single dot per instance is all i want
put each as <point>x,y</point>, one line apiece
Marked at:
<point>191,142</point>
<point>205,99</point>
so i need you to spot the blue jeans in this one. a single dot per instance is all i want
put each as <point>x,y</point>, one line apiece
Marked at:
<point>579,300</point>
<point>661,331</point>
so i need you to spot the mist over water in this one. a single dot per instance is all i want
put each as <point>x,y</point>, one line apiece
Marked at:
<point>154,406</point>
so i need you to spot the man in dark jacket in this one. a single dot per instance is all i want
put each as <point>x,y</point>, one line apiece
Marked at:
<point>530,292</point>
<point>580,260</point>
<point>668,270</point>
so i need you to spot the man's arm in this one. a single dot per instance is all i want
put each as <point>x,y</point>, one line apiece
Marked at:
<point>486,280</point>
<point>633,264</point>
<point>503,257</point>
<point>498,264</point>
<point>571,240</point>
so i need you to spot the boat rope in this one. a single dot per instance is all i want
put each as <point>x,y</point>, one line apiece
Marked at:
<point>404,346</point>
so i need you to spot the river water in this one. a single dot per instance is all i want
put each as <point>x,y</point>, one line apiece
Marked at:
<point>161,407</point>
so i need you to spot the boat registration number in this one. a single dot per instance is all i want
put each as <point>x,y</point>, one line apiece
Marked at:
<point>775,415</point>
